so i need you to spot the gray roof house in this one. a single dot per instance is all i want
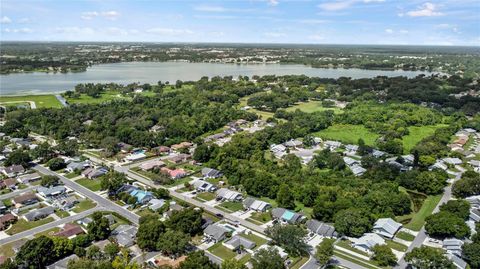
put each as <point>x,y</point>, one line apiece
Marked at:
<point>125,235</point>
<point>156,204</point>
<point>211,173</point>
<point>13,170</point>
<point>321,228</point>
<point>357,170</point>
<point>215,232</point>
<point>474,200</point>
<point>286,215</point>
<point>63,263</point>
<point>29,178</point>
<point>367,242</point>
<point>228,195</point>
<point>51,191</point>
<point>457,261</point>
<point>386,227</point>
<point>293,143</point>
<point>475,214</point>
<point>453,245</point>
<point>236,241</point>
<point>76,166</point>
<point>39,213</point>
<point>256,205</point>
<point>202,185</point>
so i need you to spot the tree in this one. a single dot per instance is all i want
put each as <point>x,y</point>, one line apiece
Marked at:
<point>56,164</point>
<point>431,182</point>
<point>471,253</point>
<point>267,259</point>
<point>149,232</point>
<point>112,181</point>
<point>188,220</point>
<point>173,243</point>
<point>353,222</point>
<point>122,261</point>
<point>324,251</point>
<point>290,237</point>
<point>197,260</point>
<point>203,153</point>
<point>99,228</point>
<point>428,258</point>
<point>233,264</point>
<point>384,255</point>
<point>469,185</point>
<point>285,197</point>
<point>445,224</point>
<point>62,247</point>
<point>8,264</point>
<point>89,264</point>
<point>43,152</point>
<point>18,157</point>
<point>36,253</point>
<point>93,252</point>
<point>460,208</point>
<point>49,181</point>
<point>111,250</point>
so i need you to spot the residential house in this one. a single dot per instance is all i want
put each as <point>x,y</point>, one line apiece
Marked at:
<point>70,230</point>
<point>278,150</point>
<point>63,263</point>
<point>224,194</point>
<point>438,165</point>
<point>155,204</point>
<point>28,178</point>
<point>180,146</point>
<point>237,242</point>
<point>39,213</point>
<point>294,143</point>
<point>350,161</point>
<point>452,161</point>
<point>51,191</point>
<point>93,173</point>
<point>76,166</point>
<point>124,147</point>
<point>66,203</point>
<point>147,166</point>
<point>386,227</point>
<point>180,158</point>
<point>357,170</point>
<point>351,149</point>
<point>321,228</point>
<point>133,157</point>
<point>474,201</point>
<point>161,149</point>
<point>6,220</point>
<point>211,173</point>
<point>85,221</point>
<point>378,153</point>
<point>125,235</point>
<point>142,196</point>
<point>10,183</point>
<point>453,246</point>
<point>256,205</point>
<point>175,173</point>
<point>3,207</point>
<point>408,159</point>
<point>367,242</point>
<point>215,232</point>
<point>13,170</point>
<point>25,199</point>
<point>457,261</point>
<point>475,214</point>
<point>287,216</point>
<point>332,145</point>
<point>204,186</point>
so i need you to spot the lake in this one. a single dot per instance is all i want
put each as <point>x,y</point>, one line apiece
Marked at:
<point>152,72</point>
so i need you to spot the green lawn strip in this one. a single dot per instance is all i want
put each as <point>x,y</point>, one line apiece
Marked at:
<point>269,200</point>
<point>91,184</point>
<point>299,263</point>
<point>232,206</point>
<point>262,217</point>
<point>206,196</point>
<point>416,134</point>
<point>177,182</point>
<point>418,219</point>
<point>7,249</point>
<point>49,232</point>
<point>83,205</point>
<point>221,251</point>
<point>72,175</point>
<point>61,214</point>
<point>104,97</point>
<point>41,101</point>
<point>396,246</point>
<point>5,191</point>
<point>346,245</point>
<point>355,260</point>
<point>246,258</point>
<point>255,238</point>
<point>405,236</point>
<point>23,225</point>
<point>313,106</point>
<point>348,133</point>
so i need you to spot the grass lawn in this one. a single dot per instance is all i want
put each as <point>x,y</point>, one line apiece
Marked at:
<point>106,96</point>
<point>177,182</point>
<point>245,258</point>
<point>91,184</point>
<point>348,133</point>
<point>262,217</point>
<point>206,196</point>
<point>83,205</point>
<point>346,245</point>
<point>7,250</point>
<point>23,225</point>
<point>221,251</point>
<point>299,263</point>
<point>418,219</point>
<point>396,246</point>
<point>49,232</point>
<point>262,114</point>
<point>355,260</point>
<point>231,206</point>
<point>416,134</point>
<point>5,191</point>
<point>405,236</point>
<point>40,100</point>
<point>313,106</point>
<point>72,175</point>
<point>62,214</point>
<point>255,238</point>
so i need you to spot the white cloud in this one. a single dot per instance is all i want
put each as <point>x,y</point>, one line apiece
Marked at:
<point>316,37</point>
<point>389,31</point>
<point>274,34</point>
<point>313,21</point>
<point>273,2</point>
<point>426,10</point>
<point>344,4</point>
<point>403,31</point>
<point>18,30</point>
<point>111,15</point>
<point>169,31</point>
<point>5,20</point>
<point>75,30</point>
<point>208,8</point>
<point>115,31</point>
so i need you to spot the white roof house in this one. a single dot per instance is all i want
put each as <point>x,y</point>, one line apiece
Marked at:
<point>151,164</point>
<point>367,242</point>
<point>229,195</point>
<point>452,161</point>
<point>136,157</point>
<point>256,205</point>
<point>350,161</point>
<point>293,143</point>
<point>332,145</point>
<point>202,185</point>
<point>453,245</point>
<point>386,227</point>
<point>439,165</point>
<point>357,170</point>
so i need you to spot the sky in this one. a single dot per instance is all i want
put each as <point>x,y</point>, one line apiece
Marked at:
<point>406,22</point>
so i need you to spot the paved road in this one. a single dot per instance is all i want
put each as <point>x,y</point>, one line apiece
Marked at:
<point>61,100</point>
<point>48,226</point>
<point>103,202</point>
<point>17,192</point>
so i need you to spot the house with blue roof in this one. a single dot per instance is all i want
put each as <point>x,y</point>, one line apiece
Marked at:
<point>287,216</point>
<point>142,196</point>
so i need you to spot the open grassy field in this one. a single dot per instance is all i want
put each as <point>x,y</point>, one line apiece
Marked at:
<point>40,100</point>
<point>417,219</point>
<point>23,225</point>
<point>416,134</point>
<point>262,217</point>
<point>254,238</point>
<point>104,97</point>
<point>206,196</point>
<point>221,251</point>
<point>231,206</point>
<point>313,106</point>
<point>91,184</point>
<point>348,133</point>
<point>83,205</point>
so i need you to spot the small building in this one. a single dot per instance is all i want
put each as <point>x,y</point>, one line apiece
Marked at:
<point>350,161</point>
<point>25,199</point>
<point>13,170</point>
<point>438,165</point>
<point>332,145</point>
<point>351,149</point>
<point>155,204</point>
<point>175,173</point>
<point>287,216</point>
<point>211,173</point>
<point>70,230</point>
<point>215,233</point>
<point>142,196</point>
<point>93,173</point>
<point>3,207</point>
<point>378,153</point>
<point>66,203</point>
<point>294,143</point>
<point>161,149</point>
<point>147,166</point>
<point>76,166</point>
<point>386,227</point>
<point>180,158</point>
<point>457,261</point>
<point>125,235</point>
<point>6,220</point>
<point>180,146</point>
<point>63,263</point>
<point>28,178</point>
<point>452,161</point>
<point>136,157</point>
<point>278,150</point>
<point>124,147</point>
<point>453,246</point>
<point>39,213</point>
<point>229,195</point>
<point>204,186</point>
<point>237,241</point>
<point>475,214</point>
<point>321,228</point>
<point>256,205</point>
<point>357,170</point>
<point>10,183</point>
<point>367,242</point>
<point>51,191</point>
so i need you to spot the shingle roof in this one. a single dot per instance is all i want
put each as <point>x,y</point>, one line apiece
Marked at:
<point>386,225</point>
<point>215,231</point>
<point>321,228</point>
